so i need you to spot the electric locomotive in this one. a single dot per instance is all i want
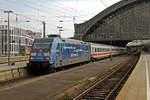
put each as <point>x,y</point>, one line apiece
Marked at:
<point>55,52</point>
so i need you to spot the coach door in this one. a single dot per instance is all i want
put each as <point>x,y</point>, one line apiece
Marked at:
<point>59,54</point>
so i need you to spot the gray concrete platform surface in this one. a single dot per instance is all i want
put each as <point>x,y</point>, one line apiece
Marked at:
<point>137,86</point>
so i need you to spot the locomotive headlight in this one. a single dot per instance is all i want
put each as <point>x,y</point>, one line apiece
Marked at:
<point>46,54</point>
<point>33,54</point>
<point>46,58</point>
<point>31,58</point>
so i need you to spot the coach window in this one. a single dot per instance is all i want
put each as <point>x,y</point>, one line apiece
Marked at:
<point>92,49</point>
<point>100,49</point>
<point>58,46</point>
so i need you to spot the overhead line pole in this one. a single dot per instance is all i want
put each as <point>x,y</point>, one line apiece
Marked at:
<point>8,37</point>
<point>103,3</point>
<point>44,28</point>
<point>60,29</point>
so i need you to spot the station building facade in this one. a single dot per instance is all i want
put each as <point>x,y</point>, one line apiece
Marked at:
<point>20,39</point>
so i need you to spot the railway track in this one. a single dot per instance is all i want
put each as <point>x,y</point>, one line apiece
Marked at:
<point>109,87</point>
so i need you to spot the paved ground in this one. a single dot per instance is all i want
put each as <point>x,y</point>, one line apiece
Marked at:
<point>46,87</point>
<point>4,67</point>
<point>137,86</point>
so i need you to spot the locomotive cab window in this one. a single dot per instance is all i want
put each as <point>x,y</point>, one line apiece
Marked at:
<point>42,43</point>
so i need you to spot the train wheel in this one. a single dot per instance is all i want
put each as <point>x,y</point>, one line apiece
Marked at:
<point>29,68</point>
<point>53,69</point>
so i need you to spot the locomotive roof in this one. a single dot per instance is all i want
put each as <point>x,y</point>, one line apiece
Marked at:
<point>45,38</point>
<point>73,41</point>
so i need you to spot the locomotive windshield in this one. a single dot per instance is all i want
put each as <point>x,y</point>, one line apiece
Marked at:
<point>42,43</point>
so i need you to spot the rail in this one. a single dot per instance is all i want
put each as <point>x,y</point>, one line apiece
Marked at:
<point>109,86</point>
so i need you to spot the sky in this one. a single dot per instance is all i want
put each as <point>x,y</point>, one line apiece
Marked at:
<point>29,14</point>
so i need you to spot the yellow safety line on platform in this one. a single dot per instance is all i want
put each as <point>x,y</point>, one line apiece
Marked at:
<point>147,77</point>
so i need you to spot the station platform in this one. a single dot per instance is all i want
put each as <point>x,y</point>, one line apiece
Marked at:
<point>137,86</point>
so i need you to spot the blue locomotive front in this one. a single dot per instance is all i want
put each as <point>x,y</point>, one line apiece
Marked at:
<point>51,53</point>
<point>40,55</point>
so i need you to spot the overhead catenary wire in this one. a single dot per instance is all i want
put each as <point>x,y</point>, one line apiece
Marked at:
<point>29,18</point>
<point>55,16</point>
<point>33,8</point>
<point>66,17</point>
<point>66,6</point>
<point>38,8</point>
<point>103,3</point>
<point>54,26</point>
<point>61,9</point>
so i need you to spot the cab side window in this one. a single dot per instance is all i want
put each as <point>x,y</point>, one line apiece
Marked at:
<point>59,47</point>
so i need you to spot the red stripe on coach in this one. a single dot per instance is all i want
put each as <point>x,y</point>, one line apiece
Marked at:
<point>100,54</point>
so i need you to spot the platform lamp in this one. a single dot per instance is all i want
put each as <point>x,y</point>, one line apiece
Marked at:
<point>8,36</point>
<point>60,30</point>
<point>61,21</point>
<point>44,28</point>
<point>26,44</point>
